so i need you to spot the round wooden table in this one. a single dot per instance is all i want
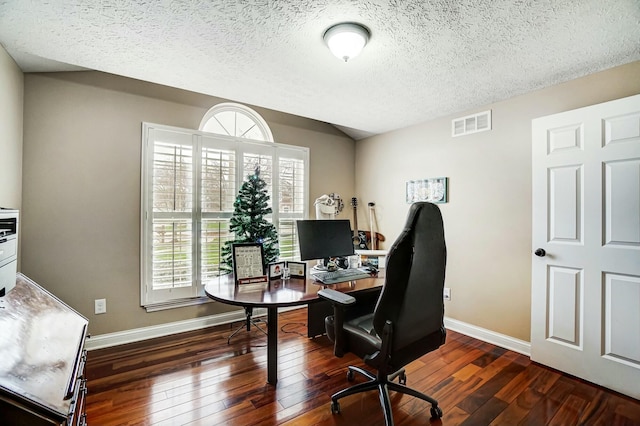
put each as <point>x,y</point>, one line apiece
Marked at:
<point>277,294</point>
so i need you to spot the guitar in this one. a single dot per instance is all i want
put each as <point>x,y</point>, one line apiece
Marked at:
<point>359,237</point>
<point>372,226</point>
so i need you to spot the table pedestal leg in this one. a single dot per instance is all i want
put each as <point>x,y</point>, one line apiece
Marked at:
<point>272,346</point>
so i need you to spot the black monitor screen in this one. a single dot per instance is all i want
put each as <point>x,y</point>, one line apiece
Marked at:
<point>322,239</point>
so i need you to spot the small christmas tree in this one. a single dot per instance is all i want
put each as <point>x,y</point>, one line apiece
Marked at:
<point>248,222</point>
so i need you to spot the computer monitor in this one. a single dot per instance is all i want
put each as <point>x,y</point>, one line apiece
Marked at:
<point>323,239</point>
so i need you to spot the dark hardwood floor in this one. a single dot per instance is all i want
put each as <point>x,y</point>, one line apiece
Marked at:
<point>195,378</point>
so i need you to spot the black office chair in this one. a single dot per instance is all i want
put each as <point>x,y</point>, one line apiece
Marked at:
<point>408,318</point>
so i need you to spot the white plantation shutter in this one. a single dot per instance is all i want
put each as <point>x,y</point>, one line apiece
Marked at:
<point>292,199</point>
<point>170,215</point>
<point>218,183</point>
<point>291,186</point>
<point>190,180</point>
<point>172,260</point>
<point>217,194</point>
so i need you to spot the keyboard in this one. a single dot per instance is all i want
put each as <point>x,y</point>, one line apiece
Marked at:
<point>340,276</point>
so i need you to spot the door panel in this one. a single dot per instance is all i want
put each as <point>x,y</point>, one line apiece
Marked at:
<point>622,318</point>
<point>625,128</point>
<point>622,203</point>
<point>565,138</point>
<point>565,306</point>
<point>585,304</point>
<point>565,206</point>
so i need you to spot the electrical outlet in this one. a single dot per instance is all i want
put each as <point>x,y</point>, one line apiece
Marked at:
<point>447,293</point>
<point>101,306</point>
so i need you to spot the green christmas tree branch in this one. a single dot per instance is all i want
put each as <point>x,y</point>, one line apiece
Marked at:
<point>248,223</point>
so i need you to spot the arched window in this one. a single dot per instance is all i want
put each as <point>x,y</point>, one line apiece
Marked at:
<point>191,179</point>
<point>236,120</point>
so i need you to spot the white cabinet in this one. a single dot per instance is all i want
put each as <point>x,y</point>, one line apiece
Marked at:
<point>8,249</point>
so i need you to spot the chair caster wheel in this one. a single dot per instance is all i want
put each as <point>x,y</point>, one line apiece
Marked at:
<point>436,412</point>
<point>351,376</point>
<point>402,379</point>
<point>335,407</point>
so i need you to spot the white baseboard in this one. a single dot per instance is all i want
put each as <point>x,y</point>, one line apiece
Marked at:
<point>138,334</point>
<point>489,336</point>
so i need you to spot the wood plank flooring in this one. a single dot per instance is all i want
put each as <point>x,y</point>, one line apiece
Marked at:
<point>195,378</point>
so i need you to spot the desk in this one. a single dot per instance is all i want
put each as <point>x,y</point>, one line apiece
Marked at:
<point>277,294</point>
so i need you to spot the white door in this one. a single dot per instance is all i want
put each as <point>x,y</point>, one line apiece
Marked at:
<point>585,302</point>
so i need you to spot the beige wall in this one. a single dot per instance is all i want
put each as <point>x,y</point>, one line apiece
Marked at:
<point>81,186</point>
<point>11,103</point>
<point>488,217</point>
<point>81,197</point>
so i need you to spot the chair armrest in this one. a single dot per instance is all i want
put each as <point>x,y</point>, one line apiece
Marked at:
<point>336,297</point>
<point>340,302</point>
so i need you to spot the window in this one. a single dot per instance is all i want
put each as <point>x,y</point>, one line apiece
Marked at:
<point>236,120</point>
<point>189,183</point>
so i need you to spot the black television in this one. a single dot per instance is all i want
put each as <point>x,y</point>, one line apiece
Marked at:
<point>323,239</point>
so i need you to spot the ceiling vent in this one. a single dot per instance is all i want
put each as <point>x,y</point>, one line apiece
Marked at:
<point>471,124</point>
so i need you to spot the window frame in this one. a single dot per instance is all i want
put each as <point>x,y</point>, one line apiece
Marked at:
<point>237,109</point>
<point>194,294</point>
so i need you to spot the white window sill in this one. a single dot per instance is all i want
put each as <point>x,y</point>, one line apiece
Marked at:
<point>178,303</point>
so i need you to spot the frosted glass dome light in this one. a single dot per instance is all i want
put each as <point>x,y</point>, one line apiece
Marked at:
<point>346,40</point>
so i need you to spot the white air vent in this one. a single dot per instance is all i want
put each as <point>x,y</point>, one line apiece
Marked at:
<point>471,124</point>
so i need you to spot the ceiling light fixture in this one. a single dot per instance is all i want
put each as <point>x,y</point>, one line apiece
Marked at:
<point>346,40</point>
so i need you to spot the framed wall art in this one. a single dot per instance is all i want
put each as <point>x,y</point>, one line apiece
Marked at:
<point>433,190</point>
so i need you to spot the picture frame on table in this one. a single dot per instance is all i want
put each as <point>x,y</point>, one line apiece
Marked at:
<point>275,270</point>
<point>297,269</point>
<point>248,263</point>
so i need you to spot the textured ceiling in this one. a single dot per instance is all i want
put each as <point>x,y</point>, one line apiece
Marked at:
<point>426,58</point>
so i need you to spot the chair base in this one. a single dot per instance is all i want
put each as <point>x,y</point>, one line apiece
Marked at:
<point>383,384</point>
<point>248,322</point>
